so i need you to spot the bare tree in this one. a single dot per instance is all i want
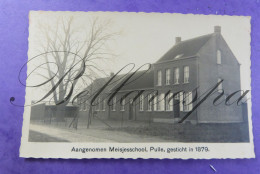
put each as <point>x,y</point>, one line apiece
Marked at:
<point>67,49</point>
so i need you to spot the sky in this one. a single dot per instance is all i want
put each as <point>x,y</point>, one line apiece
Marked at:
<point>145,37</point>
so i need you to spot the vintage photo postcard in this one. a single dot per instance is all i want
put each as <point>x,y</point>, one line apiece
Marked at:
<point>137,85</point>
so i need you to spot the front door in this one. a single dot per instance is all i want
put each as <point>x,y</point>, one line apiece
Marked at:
<point>176,108</point>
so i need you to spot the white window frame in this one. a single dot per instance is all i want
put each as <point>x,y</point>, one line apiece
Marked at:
<point>186,75</point>
<point>114,104</point>
<point>122,106</point>
<point>98,104</point>
<point>187,103</point>
<point>141,102</point>
<point>219,57</point>
<point>159,78</point>
<point>104,105</point>
<point>177,96</point>
<point>168,102</point>
<point>181,101</point>
<point>190,101</point>
<point>167,76</point>
<point>161,102</point>
<point>155,103</point>
<point>149,104</point>
<point>176,78</point>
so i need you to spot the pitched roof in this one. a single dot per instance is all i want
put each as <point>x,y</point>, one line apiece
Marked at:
<point>185,48</point>
<point>100,82</point>
<point>140,80</point>
<point>144,80</point>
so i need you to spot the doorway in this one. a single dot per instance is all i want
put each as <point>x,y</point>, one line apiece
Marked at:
<point>176,108</point>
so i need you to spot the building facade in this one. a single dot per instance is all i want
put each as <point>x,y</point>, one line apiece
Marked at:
<point>167,91</point>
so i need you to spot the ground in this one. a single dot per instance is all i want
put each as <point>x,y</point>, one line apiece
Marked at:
<point>36,136</point>
<point>208,132</point>
<point>136,131</point>
<point>40,132</point>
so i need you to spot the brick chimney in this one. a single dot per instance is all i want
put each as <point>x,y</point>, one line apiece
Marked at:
<point>177,40</point>
<point>217,29</point>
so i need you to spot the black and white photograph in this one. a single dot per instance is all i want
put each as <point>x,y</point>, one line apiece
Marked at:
<point>137,85</point>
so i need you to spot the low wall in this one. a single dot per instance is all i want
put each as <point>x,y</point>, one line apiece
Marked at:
<point>38,112</point>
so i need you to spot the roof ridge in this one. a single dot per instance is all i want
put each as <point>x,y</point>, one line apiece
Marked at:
<point>188,47</point>
<point>195,38</point>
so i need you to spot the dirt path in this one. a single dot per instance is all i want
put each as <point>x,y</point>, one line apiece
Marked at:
<point>84,135</point>
<point>40,137</point>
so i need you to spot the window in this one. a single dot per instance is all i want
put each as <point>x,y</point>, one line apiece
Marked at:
<point>114,104</point>
<point>122,106</point>
<point>97,104</point>
<point>80,104</point>
<point>176,76</point>
<point>141,102</point>
<point>155,103</point>
<point>186,74</point>
<point>85,105</point>
<point>167,76</point>
<point>220,87</point>
<point>176,97</point>
<point>181,101</point>
<point>161,101</point>
<point>103,104</point>
<point>187,101</point>
<point>218,57</point>
<point>159,78</point>
<point>169,102</point>
<point>149,106</point>
<point>178,56</point>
